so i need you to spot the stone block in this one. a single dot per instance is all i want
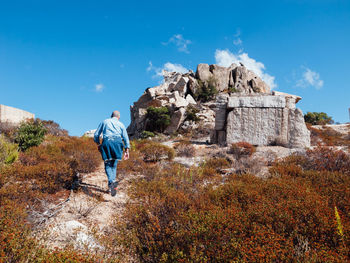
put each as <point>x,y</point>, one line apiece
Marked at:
<point>266,101</point>
<point>14,115</point>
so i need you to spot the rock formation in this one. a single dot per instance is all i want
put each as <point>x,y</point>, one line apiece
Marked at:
<point>244,109</point>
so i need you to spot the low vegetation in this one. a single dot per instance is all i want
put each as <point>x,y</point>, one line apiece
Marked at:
<point>40,173</point>
<point>241,149</point>
<point>184,148</point>
<point>155,152</point>
<point>216,212</point>
<point>328,136</point>
<point>195,215</point>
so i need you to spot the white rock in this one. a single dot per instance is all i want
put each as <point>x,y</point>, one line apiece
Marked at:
<point>176,120</point>
<point>203,72</point>
<point>190,99</point>
<point>89,133</point>
<point>179,101</point>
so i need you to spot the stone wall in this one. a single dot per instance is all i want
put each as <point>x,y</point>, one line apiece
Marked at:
<point>260,120</point>
<point>14,115</point>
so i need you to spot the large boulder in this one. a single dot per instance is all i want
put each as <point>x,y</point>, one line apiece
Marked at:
<point>245,81</point>
<point>298,134</point>
<point>192,85</point>
<point>203,73</point>
<point>176,120</point>
<point>181,86</point>
<point>220,76</point>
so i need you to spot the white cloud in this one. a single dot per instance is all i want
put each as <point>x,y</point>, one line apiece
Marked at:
<point>166,67</point>
<point>180,42</point>
<point>174,67</point>
<point>150,66</point>
<point>237,41</point>
<point>99,87</point>
<point>310,78</point>
<point>225,58</point>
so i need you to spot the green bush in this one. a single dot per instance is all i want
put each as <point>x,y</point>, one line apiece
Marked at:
<point>191,113</point>
<point>318,118</point>
<point>233,90</point>
<point>8,151</point>
<point>30,134</point>
<point>158,119</point>
<point>207,90</point>
<point>146,134</point>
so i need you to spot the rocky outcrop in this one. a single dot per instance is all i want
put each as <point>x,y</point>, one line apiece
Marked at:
<point>180,91</point>
<point>244,109</point>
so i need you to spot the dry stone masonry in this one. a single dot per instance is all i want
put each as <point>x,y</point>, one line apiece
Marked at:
<point>244,109</point>
<point>14,115</point>
<point>263,119</point>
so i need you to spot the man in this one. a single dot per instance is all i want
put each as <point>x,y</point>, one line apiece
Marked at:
<point>115,139</point>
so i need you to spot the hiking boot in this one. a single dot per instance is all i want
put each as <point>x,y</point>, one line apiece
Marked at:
<point>113,188</point>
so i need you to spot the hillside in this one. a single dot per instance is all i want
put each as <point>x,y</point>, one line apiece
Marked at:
<point>178,199</point>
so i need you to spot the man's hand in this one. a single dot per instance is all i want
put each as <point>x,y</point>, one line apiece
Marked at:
<point>126,154</point>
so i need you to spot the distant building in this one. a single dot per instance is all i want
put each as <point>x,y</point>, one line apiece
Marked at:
<point>14,115</point>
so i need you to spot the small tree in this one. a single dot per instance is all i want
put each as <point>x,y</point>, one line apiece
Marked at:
<point>318,118</point>
<point>158,119</point>
<point>207,90</point>
<point>30,133</point>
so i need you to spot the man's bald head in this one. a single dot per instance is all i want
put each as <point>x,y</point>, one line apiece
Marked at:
<point>116,114</point>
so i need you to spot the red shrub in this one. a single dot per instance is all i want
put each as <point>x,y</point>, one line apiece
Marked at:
<point>246,219</point>
<point>323,158</point>
<point>154,152</point>
<point>242,149</point>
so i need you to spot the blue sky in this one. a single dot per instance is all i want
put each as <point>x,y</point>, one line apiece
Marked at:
<point>75,62</point>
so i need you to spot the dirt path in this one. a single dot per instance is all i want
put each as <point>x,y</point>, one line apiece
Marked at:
<point>92,207</point>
